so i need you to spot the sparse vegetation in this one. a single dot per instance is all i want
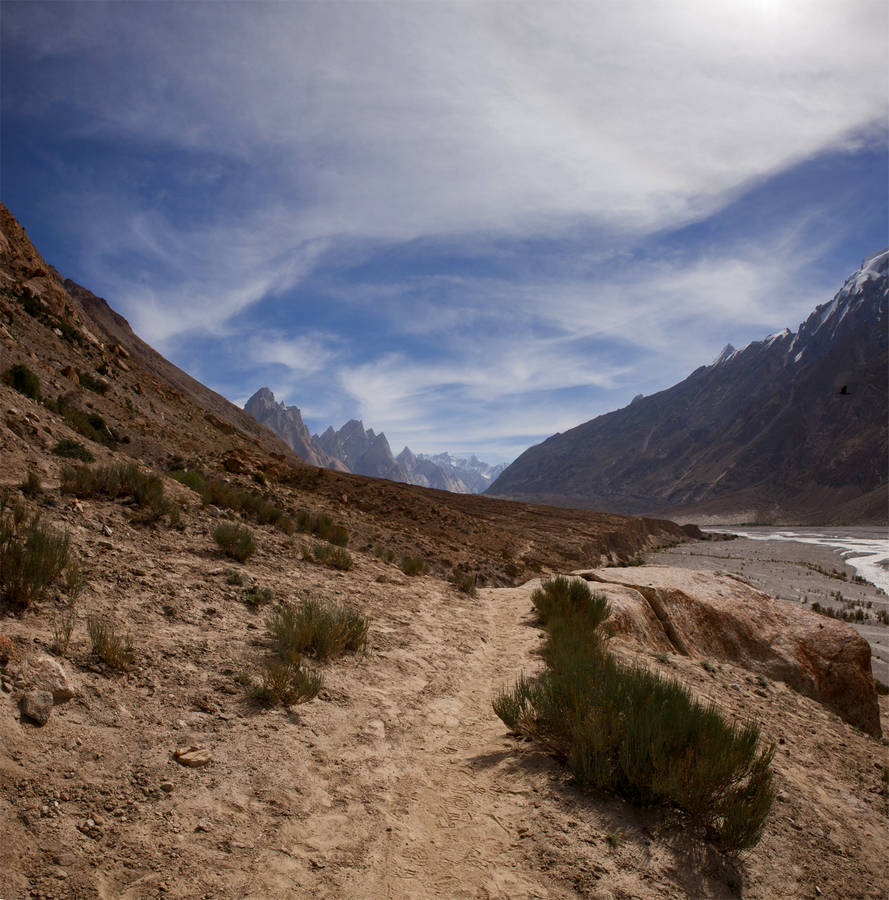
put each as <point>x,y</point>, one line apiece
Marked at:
<point>214,491</point>
<point>31,486</point>
<point>70,449</point>
<point>62,630</point>
<point>114,649</point>
<point>96,385</point>
<point>32,556</point>
<point>630,731</point>
<point>322,525</point>
<point>90,425</point>
<point>335,557</point>
<point>464,582</point>
<point>414,565</point>
<point>287,683</point>
<point>235,540</point>
<point>257,596</point>
<point>22,379</point>
<point>317,628</point>
<point>119,480</point>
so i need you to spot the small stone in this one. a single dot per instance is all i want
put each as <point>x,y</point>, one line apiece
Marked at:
<point>167,787</point>
<point>106,530</point>
<point>193,756</point>
<point>37,706</point>
<point>45,673</point>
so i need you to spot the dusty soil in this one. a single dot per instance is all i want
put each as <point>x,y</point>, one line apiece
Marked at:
<point>398,781</point>
<point>796,572</point>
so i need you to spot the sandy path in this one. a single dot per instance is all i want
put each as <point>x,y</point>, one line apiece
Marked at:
<point>434,802</point>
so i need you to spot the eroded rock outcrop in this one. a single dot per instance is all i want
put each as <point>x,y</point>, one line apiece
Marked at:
<point>709,615</point>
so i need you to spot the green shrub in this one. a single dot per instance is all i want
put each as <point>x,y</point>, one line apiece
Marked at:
<point>234,578</point>
<point>119,480</point>
<point>32,485</point>
<point>70,449</point>
<point>335,557</point>
<point>414,565</point>
<point>257,596</point>
<point>23,380</point>
<point>464,582</point>
<point>113,649</point>
<point>235,540</point>
<point>314,627</point>
<point>322,525</point>
<point>31,555</point>
<point>286,683</point>
<point>227,496</point>
<point>89,425</point>
<point>569,598</point>
<point>62,630</point>
<point>631,731</point>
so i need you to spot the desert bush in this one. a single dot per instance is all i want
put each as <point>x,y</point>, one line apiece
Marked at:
<point>114,649</point>
<point>235,540</point>
<point>31,555</point>
<point>386,554</point>
<point>561,599</point>
<point>464,582</point>
<point>323,526</point>
<point>23,380</point>
<point>96,385</point>
<point>227,496</point>
<point>62,630</point>
<point>70,449</point>
<point>119,480</point>
<point>234,578</point>
<point>32,485</point>
<point>316,627</point>
<point>335,557</point>
<point>631,731</point>
<point>89,425</point>
<point>414,565</point>
<point>257,596</point>
<point>287,683</point>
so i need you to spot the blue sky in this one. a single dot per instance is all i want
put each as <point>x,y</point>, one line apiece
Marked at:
<point>469,224</point>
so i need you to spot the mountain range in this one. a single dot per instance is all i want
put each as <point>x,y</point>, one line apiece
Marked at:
<point>354,448</point>
<point>792,427</point>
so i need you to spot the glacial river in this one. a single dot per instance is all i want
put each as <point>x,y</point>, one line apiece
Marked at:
<point>864,549</point>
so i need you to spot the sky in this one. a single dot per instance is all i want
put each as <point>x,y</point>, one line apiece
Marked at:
<point>469,224</point>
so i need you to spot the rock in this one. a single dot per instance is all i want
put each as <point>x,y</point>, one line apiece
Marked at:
<point>193,756</point>
<point>707,615</point>
<point>37,705</point>
<point>106,530</point>
<point>45,673</point>
<point>166,787</point>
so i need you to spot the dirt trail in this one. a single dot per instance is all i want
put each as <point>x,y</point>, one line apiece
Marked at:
<point>443,804</point>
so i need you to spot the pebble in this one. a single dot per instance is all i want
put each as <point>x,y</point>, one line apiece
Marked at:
<point>106,530</point>
<point>167,787</point>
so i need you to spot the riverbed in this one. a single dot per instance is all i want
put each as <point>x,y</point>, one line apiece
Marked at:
<point>845,570</point>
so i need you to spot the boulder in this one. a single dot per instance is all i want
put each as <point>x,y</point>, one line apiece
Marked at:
<point>709,615</point>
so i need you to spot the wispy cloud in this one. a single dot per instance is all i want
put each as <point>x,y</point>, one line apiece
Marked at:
<point>215,160</point>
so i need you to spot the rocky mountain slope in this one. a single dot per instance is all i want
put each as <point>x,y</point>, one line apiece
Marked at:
<point>287,423</point>
<point>166,777</point>
<point>355,449</point>
<point>792,427</point>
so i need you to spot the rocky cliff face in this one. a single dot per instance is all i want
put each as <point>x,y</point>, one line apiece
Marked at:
<point>792,427</point>
<point>287,423</point>
<point>363,451</point>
